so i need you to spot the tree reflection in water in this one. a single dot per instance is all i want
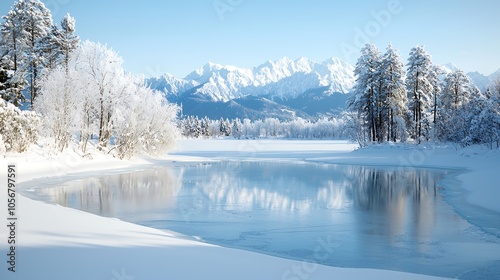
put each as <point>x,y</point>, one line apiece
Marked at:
<point>380,217</point>
<point>119,194</point>
<point>280,188</point>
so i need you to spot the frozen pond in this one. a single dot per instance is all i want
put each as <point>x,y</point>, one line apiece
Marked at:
<point>338,215</point>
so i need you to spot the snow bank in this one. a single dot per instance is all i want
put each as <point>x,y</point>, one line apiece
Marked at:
<point>54,242</point>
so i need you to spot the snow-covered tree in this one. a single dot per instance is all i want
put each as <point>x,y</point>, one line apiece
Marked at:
<point>205,127</point>
<point>224,127</point>
<point>436,83</point>
<point>36,21</point>
<point>60,104</point>
<point>58,45</point>
<point>393,95</point>
<point>102,68</point>
<point>143,122</point>
<point>366,90</point>
<point>419,90</point>
<point>10,90</point>
<point>457,90</point>
<point>193,128</point>
<point>96,98</point>
<point>454,114</point>
<point>236,128</point>
<point>13,43</point>
<point>18,129</point>
<point>484,116</point>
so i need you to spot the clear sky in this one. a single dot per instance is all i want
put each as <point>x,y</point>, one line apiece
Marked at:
<point>159,36</point>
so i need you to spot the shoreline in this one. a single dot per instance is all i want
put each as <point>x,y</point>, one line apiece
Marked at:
<point>32,238</point>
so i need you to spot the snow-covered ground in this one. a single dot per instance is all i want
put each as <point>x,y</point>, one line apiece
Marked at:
<point>54,242</point>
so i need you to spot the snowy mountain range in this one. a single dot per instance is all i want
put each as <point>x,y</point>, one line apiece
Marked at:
<point>274,89</point>
<point>284,89</point>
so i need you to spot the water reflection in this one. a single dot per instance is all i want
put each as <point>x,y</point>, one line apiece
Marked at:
<point>391,196</point>
<point>377,217</point>
<point>118,194</point>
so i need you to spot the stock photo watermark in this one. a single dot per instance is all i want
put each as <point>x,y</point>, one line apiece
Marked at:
<point>12,222</point>
<point>373,28</point>
<point>121,275</point>
<point>325,247</point>
<point>416,158</point>
<point>223,7</point>
<point>55,5</point>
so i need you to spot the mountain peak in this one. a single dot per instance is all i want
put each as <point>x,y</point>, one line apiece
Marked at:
<point>284,60</point>
<point>449,67</point>
<point>333,60</point>
<point>212,66</point>
<point>282,78</point>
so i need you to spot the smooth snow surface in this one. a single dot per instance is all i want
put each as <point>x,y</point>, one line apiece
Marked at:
<point>60,243</point>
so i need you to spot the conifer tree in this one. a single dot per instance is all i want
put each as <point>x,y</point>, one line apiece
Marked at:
<point>24,28</point>
<point>394,95</point>
<point>419,90</point>
<point>366,90</point>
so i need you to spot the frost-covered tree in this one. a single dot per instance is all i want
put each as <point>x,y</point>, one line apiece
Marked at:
<point>227,125</point>
<point>436,83</point>
<point>236,129</point>
<point>68,41</point>
<point>18,129</point>
<point>419,89</point>
<point>457,90</point>
<point>484,116</point>
<point>10,90</point>
<point>13,43</point>
<point>36,21</point>
<point>366,90</point>
<point>454,114</point>
<point>272,127</point>
<point>59,44</point>
<point>143,122</point>
<point>96,98</point>
<point>102,68</point>
<point>205,127</point>
<point>60,104</point>
<point>393,95</point>
<point>193,127</point>
<point>224,127</point>
<point>23,30</point>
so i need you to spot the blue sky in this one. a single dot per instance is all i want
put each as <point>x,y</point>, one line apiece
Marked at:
<point>177,37</point>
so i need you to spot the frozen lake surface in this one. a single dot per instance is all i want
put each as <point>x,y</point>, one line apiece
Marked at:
<point>338,215</point>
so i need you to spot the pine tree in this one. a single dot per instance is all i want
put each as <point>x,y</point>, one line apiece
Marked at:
<point>457,90</point>
<point>227,126</point>
<point>419,90</point>
<point>194,126</point>
<point>222,127</point>
<point>13,58</point>
<point>484,116</point>
<point>205,125</point>
<point>236,130</point>
<point>393,95</point>
<point>58,45</point>
<point>491,117</point>
<point>25,27</point>
<point>69,40</point>
<point>455,98</point>
<point>37,24</point>
<point>10,91</point>
<point>436,83</point>
<point>366,90</point>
